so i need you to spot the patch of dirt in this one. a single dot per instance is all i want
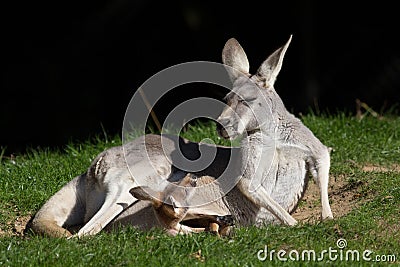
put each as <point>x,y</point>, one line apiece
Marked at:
<point>375,168</point>
<point>15,227</point>
<point>20,224</point>
<point>344,197</point>
<point>389,229</point>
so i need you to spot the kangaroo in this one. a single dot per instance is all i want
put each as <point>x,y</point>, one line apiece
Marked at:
<point>275,157</point>
<point>170,212</point>
<point>273,135</point>
<point>100,198</point>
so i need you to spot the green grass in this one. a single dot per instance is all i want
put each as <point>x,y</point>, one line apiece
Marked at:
<point>28,180</point>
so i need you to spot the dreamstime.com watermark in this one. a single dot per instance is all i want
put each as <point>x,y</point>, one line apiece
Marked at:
<point>338,253</point>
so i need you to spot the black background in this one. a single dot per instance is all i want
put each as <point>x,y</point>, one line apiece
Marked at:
<point>70,68</point>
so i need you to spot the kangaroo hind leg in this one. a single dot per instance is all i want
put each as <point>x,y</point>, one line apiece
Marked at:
<point>115,187</point>
<point>321,177</point>
<point>64,209</point>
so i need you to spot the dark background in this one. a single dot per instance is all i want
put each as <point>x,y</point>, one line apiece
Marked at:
<point>70,68</point>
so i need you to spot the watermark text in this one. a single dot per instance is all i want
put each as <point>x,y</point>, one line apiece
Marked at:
<point>338,253</point>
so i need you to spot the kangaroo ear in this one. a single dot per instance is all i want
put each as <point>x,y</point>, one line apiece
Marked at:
<point>174,203</point>
<point>145,193</point>
<point>271,67</point>
<point>234,56</point>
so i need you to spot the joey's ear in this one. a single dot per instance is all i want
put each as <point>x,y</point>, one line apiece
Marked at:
<point>145,193</point>
<point>175,204</point>
<point>234,56</point>
<point>270,68</point>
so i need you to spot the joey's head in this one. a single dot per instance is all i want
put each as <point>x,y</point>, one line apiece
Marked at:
<point>171,203</point>
<point>252,104</point>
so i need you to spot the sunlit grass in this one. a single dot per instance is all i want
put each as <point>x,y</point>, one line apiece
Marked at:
<point>28,180</point>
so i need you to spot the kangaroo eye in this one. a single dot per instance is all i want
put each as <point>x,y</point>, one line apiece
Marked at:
<point>251,99</point>
<point>244,102</point>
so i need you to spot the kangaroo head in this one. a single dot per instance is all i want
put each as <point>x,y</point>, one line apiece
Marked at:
<point>171,203</point>
<point>252,104</point>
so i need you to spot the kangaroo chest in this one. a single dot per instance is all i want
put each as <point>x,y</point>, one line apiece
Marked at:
<point>280,170</point>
